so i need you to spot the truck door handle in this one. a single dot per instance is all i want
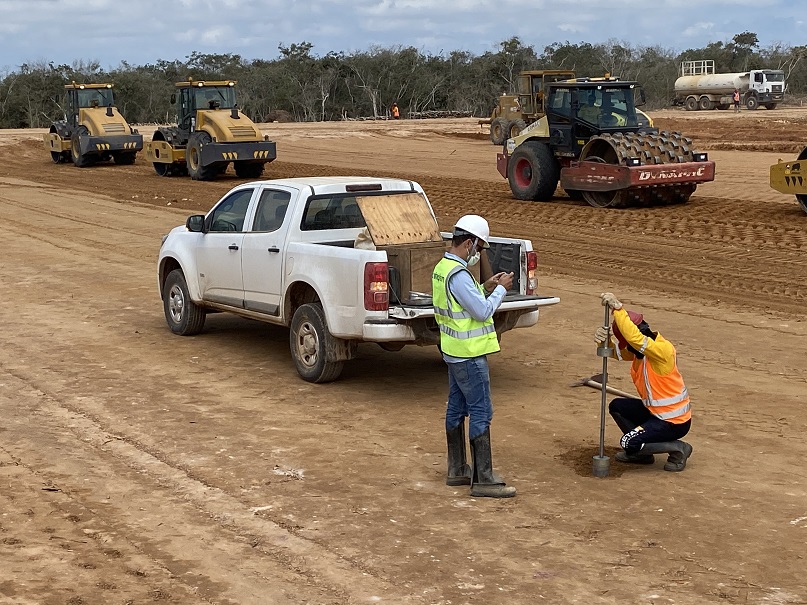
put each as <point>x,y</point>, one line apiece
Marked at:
<point>233,247</point>
<point>273,249</point>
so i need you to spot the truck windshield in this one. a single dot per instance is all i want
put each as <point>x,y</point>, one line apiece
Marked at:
<point>775,76</point>
<point>211,97</point>
<point>95,97</point>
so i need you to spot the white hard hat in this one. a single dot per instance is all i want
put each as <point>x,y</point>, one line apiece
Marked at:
<point>475,225</point>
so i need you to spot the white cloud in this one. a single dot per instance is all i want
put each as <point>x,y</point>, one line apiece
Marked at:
<point>143,31</point>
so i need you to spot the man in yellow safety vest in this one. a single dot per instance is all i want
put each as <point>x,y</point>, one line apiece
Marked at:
<point>655,422</point>
<point>463,309</point>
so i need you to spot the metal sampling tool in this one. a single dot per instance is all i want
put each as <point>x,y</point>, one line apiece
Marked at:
<point>602,463</point>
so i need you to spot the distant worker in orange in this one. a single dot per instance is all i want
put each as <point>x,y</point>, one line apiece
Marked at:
<point>736,98</point>
<point>657,420</point>
<point>396,113</point>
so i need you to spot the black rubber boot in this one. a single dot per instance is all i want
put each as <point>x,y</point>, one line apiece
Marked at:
<point>459,473</point>
<point>679,451</point>
<point>635,458</point>
<point>485,483</point>
<point>627,426</point>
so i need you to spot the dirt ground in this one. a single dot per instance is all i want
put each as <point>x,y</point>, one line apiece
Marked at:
<point>137,466</point>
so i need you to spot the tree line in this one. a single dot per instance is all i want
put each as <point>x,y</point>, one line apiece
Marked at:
<point>299,85</point>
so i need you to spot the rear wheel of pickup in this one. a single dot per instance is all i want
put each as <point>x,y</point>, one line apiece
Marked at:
<point>310,342</point>
<point>183,316</point>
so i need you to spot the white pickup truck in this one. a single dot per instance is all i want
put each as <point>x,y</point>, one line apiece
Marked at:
<point>339,260</point>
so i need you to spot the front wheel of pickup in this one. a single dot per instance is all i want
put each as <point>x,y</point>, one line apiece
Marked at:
<point>183,316</point>
<point>310,342</point>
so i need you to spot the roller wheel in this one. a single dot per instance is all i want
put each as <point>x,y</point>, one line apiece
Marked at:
<point>248,171</point>
<point>604,199</point>
<point>164,169</point>
<point>193,158</point>
<point>705,104</point>
<point>80,160</point>
<point>691,104</point>
<point>310,340</point>
<point>516,126</point>
<point>802,198</point>
<point>56,156</point>
<point>533,172</point>
<point>124,158</point>
<point>752,102</point>
<point>498,131</point>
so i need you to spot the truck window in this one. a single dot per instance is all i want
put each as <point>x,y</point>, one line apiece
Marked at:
<point>335,212</point>
<point>230,213</point>
<point>271,210</point>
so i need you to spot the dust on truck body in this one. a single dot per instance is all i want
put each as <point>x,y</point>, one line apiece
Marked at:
<point>211,132</point>
<point>700,88</point>
<point>93,129</point>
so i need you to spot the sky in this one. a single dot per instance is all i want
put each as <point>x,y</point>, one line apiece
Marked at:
<point>144,31</point>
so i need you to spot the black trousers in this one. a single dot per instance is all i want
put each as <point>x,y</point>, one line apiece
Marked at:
<point>639,426</point>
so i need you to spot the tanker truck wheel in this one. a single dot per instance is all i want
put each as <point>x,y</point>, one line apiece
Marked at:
<point>770,105</point>
<point>498,131</point>
<point>691,104</point>
<point>705,104</point>
<point>752,103</point>
<point>533,172</point>
<point>193,158</point>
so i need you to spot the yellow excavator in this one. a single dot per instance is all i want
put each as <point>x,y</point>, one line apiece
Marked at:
<point>791,177</point>
<point>211,132</point>
<point>93,130</point>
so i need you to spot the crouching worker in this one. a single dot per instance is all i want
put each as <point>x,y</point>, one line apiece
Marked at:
<point>655,422</point>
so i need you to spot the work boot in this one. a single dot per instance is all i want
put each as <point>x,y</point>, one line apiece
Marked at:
<point>459,473</point>
<point>624,456</point>
<point>679,451</point>
<point>626,426</point>
<point>485,483</point>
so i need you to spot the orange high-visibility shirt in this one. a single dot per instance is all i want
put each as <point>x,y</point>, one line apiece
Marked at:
<point>656,376</point>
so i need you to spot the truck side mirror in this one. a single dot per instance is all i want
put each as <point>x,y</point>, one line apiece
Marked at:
<point>196,223</point>
<point>173,98</point>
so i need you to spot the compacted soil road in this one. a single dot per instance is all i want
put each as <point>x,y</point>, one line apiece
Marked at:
<point>137,466</point>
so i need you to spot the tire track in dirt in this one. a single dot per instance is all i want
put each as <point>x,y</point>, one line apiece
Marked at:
<point>749,254</point>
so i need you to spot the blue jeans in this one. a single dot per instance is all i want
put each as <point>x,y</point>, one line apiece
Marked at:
<point>469,395</point>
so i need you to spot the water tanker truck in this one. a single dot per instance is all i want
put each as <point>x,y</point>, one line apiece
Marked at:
<point>700,88</point>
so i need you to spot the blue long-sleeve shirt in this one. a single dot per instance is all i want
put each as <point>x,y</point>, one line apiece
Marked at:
<point>464,289</point>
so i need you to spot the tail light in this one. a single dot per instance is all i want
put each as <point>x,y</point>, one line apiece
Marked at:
<point>532,266</point>
<point>376,287</point>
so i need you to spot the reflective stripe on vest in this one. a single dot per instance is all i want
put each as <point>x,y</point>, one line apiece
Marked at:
<point>460,334</point>
<point>675,408</point>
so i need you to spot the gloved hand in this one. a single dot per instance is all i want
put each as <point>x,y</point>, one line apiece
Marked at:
<point>610,300</point>
<point>601,334</point>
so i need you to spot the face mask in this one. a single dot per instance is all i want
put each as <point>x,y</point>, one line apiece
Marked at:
<point>473,258</point>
